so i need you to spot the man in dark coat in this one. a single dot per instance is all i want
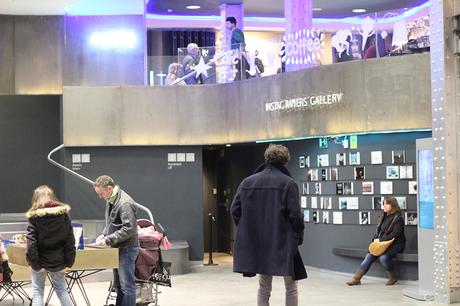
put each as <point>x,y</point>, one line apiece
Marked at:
<point>269,226</point>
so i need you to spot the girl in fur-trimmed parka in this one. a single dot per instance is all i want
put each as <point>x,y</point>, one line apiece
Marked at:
<point>51,244</point>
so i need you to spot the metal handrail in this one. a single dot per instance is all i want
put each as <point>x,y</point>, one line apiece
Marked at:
<point>87,180</point>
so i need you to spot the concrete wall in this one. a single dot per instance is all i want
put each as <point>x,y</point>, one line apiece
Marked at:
<point>378,95</point>
<point>40,54</point>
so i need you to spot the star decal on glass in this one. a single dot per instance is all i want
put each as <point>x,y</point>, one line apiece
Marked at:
<point>201,68</point>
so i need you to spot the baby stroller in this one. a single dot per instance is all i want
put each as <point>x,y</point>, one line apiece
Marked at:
<point>150,238</point>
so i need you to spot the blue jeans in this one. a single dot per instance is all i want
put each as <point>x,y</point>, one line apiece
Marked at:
<point>385,260</point>
<point>59,284</point>
<point>124,280</point>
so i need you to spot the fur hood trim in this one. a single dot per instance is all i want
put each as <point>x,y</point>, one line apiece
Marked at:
<point>49,211</point>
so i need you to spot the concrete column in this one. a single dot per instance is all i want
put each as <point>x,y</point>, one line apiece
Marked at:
<point>298,15</point>
<point>446,127</point>
<point>230,10</point>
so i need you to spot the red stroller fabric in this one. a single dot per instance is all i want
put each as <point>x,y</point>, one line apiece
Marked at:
<point>147,260</point>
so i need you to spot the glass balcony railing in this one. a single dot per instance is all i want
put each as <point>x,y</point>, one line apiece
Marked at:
<point>395,33</point>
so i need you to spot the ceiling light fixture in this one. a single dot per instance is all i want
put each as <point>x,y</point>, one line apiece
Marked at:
<point>170,10</point>
<point>193,7</point>
<point>359,10</point>
<point>316,9</point>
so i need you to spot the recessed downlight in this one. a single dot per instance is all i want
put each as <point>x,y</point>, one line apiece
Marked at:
<point>359,10</point>
<point>193,7</point>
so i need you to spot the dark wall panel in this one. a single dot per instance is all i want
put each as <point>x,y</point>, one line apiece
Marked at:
<point>320,238</point>
<point>29,129</point>
<point>172,192</point>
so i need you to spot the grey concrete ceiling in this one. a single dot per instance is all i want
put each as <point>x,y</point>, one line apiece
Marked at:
<point>275,8</point>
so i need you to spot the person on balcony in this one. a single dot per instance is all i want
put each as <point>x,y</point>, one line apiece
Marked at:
<point>189,62</point>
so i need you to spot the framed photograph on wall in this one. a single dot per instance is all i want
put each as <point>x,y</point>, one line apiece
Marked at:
<point>339,188</point>
<point>411,218</point>
<point>368,187</point>
<point>398,157</point>
<point>376,157</point>
<point>348,188</point>
<point>303,202</point>
<point>317,187</point>
<point>377,203</point>
<point>314,202</point>
<point>323,160</point>
<point>325,217</point>
<point>315,216</point>
<point>412,186</point>
<point>306,215</point>
<point>334,174</point>
<point>364,218</point>
<point>353,203</point>
<point>312,175</point>
<point>326,202</point>
<point>341,159</point>
<point>343,203</point>
<point>307,161</point>
<point>354,158</point>
<point>406,172</point>
<point>402,202</point>
<point>360,173</point>
<point>301,161</point>
<point>305,188</point>
<point>392,172</point>
<point>324,174</point>
<point>337,217</point>
<point>386,187</point>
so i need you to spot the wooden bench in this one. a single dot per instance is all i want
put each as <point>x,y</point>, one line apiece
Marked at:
<point>407,256</point>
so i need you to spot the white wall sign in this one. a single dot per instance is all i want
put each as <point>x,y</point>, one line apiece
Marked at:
<point>304,103</point>
<point>178,159</point>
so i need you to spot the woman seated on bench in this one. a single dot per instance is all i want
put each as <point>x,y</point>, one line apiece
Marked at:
<point>391,225</point>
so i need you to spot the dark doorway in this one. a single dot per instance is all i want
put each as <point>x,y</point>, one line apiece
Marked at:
<point>217,197</point>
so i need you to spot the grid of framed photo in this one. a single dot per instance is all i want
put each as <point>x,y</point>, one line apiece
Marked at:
<point>338,186</point>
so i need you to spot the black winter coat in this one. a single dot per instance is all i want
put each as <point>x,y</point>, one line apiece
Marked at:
<point>51,243</point>
<point>395,231</point>
<point>269,224</point>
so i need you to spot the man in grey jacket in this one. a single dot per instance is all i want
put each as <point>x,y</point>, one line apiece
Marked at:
<point>120,232</point>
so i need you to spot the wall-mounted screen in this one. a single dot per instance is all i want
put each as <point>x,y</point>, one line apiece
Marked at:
<point>425,188</point>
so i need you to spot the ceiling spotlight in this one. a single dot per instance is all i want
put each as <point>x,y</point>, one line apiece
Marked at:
<point>228,145</point>
<point>193,7</point>
<point>170,10</point>
<point>359,10</point>
<point>316,9</point>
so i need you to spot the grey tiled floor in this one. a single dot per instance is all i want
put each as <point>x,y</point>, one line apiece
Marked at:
<point>218,286</point>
